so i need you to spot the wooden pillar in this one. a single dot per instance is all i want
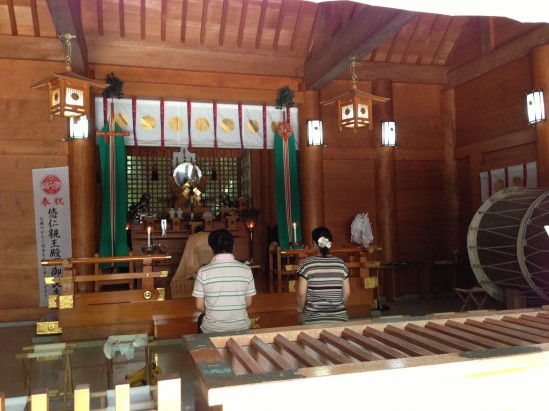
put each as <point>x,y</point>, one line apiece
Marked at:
<point>474,183</point>
<point>451,193</point>
<point>540,65</point>
<point>385,175</point>
<point>312,179</point>
<point>82,175</point>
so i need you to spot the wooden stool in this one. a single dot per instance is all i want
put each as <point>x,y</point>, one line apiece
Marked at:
<point>467,295</point>
<point>48,352</point>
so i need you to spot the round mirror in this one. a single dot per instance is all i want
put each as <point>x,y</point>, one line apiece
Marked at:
<point>187,173</point>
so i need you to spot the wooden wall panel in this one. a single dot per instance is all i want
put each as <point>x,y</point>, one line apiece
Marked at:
<point>20,117</point>
<point>493,104</point>
<point>12,295</point>
<point>525,153</point>
<point>29,140</point>
<point>183,85</point>
<point>18,76</point>
<point>420,226</point>
<point>419,176</point>
<point>17,211</point>
<point>420,203</point>
<point>349,189</point>
<point>16,171</point>
<point>417,114</point>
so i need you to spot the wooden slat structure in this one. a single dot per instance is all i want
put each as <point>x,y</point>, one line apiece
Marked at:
<point>336,366</point>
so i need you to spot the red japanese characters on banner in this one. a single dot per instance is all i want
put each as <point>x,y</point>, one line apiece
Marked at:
<point>53,224</point>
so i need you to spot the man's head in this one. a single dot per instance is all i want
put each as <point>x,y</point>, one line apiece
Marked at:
<point>221,241</point>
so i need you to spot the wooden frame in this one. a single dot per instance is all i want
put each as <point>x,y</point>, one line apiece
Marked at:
<point>316,367</point>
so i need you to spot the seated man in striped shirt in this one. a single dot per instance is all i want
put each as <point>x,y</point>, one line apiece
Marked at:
<point>223,288</point>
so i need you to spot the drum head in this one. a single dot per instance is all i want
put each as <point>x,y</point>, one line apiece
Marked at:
<point>508,246</point>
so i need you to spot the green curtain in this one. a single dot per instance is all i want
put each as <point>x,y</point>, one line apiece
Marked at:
<point>288,209</point>
<point>112,153</point>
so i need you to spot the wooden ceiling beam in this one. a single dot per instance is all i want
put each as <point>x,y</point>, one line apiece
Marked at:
<point>261,24</point>
<point>499,57</point>
<point>223,27</point>
<point>13,22</point>
<point>100,26</point>
<point>66,19</point>
<point>368,30</point>
<point>121,20</point>
<point>184,12</point>
<point>34,14</point>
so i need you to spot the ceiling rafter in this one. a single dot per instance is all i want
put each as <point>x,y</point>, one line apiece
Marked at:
<point>163,19</point>
<point>279,23</point>
<point>121,19</point>
<point>204,23</point>
<point>34,14</point>
<point>363,34</point>
<point>184,12</point>
<point>13,22</point>
<point>100,27</point>
<point>409,44</point>
<point>223,27</point>
<point>426,43</point>
<point>261,23</point>
<point>297,24</point>
<point>242,24</point>
<point>143,19</point>
<point>443,40</point>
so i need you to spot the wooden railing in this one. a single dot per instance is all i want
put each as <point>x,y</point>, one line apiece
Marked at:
<point>70,279</point>
<point>166,396</point>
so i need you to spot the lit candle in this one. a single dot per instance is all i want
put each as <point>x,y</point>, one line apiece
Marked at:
<point>149,236</point>
<point>295,232</point>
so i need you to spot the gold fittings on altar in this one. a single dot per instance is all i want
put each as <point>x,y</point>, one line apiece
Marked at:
<point>52,301</point>
<point>370,282</point>
<point>48,327</point>
<point>147,295</point>
<point>66,301</point>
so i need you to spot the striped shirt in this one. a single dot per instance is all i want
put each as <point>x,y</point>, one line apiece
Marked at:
<point>224,284</point>
<point>325,276</point>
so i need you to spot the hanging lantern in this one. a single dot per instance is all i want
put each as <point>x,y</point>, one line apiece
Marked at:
<point>69,92</point>
<point>355,107</point>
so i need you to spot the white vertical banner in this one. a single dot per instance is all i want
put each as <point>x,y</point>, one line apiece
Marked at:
<point>228,133</point>
<point>148,123</point>
<point>176,130</point>
<point>52,216</point>
<point>202,122</point>
<point>252,126</point>
<point>176,123</point>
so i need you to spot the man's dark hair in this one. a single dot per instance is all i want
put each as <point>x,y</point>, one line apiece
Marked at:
<point>221,241</point>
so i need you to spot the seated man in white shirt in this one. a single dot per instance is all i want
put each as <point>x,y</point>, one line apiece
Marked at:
<point>223,288</point>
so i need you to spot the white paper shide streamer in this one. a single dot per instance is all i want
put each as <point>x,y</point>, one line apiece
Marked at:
<point>361,230</point>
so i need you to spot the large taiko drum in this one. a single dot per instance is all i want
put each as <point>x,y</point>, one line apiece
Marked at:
<point>508,246</point>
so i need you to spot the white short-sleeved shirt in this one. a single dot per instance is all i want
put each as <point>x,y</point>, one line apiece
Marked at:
<point>224,283</point>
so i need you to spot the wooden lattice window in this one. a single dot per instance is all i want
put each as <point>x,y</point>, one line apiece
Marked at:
<point>221,169</point>
<point>148,170</point>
